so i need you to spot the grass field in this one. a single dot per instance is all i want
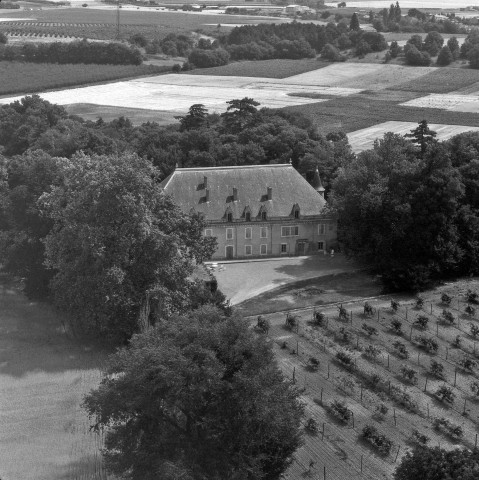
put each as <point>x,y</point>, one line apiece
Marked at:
<point>276,68</point>
<point>364,139</point>
<point>44,374</point>
<point>337,447</point>
<point>25,78</point>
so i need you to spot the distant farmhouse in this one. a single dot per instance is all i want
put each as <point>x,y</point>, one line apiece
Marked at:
<point>256,211</point>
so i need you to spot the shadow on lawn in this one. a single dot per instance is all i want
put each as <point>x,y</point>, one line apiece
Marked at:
<point>34,339</point>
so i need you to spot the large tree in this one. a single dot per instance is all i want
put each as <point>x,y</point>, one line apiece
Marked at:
<point>118,245</point>
<point>400,213</point>
<point>198,397</point>
<point>434,463</point>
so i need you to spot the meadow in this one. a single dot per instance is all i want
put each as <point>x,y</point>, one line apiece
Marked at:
<point>27,78</point>
<point>44,373</point>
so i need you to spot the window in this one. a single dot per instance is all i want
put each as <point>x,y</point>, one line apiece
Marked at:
<point>208,232</point>
<point>320,245</point>
<point>248,232</point>
<point>263,216</point>
<point>248,250</point>
<point>284,248</point>
<point>263,249</point>
<point>229,234</point>
<point>264,232</point>
<point>296,214</point>
<point>290,231</point>
<point>247,217</point>
<point>322,229</point>
<point>230,217</point>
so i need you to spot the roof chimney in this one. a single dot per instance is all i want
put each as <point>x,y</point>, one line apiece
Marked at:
<point>235,194</point>
<point>270,193</point>
<point>205,181</point>
<point>207,194</point>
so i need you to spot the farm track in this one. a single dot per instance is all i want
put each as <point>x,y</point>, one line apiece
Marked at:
<point>329,383</point>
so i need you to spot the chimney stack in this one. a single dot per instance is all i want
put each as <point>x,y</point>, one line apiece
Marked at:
<point>235,194</point>
<point>270,193</point>
<point>205,182</point>
<point>207,194</point>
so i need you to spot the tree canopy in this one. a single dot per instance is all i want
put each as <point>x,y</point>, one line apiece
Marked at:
<point>117,242</point>
<point>197,397</point>
<point>434,463</point>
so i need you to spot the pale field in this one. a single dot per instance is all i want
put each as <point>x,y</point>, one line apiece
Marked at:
<point>406,3</point>
<point>44,374</point>
<point>177,92</point>
<point>401,43</point>
<point>363,139</point>
<point>451,102</point>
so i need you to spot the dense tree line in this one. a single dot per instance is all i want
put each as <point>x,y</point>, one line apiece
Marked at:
<point>412,212</point>
<point>73,52</point>
<point>297,40</point>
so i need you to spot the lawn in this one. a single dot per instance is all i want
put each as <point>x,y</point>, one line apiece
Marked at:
<point>17,77</point>
<point>44,374</point>
<point>276,68</point>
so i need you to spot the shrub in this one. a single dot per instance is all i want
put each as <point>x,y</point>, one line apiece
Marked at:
<point>369,330</point>
<point>471,311</point>
<point>379,441</point>
<point>475,388</point>
<point>368,309</point>
<point>419,302</point>
<point>401,349</point>
<point>449,428</point>
<point>409,374</point>
<point>437,369</point>
<point>416,58</point>
<point>345,359</point>
<point>403,398</point>
<point>263,324</point>
<point>330,53</point>
<point>311,426</point>
<point>313,363</point>
<point>3,38</point>
<point>343,313</point>
<point>139,40</point>
<point>341,411</point>
<point>446,299</point>
<point>345,335</point>
<point>421,322</point>
<point>429,344</point>
<point>372,352</point>
<point>445,394</point>
<point>394,305</point>
<point>468,364</point>
<point>457,342</point>
<point>448,317</point>
<point>382,409</point>
<point>318,318</point>
<point>291,321</point>
<point>396,326</point>
<point>208,58</point>
<point>472,297</point>
<point>419,438</point>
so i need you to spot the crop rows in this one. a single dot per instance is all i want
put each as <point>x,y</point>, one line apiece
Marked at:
<point>410,410</point>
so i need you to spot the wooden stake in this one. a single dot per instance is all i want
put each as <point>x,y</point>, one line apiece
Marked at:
<point>431,308</point>
<point>294,374</point>
<point>455,375</point>
<point>328,369</point>
<point>428,410</point>
<point>425,386</point>
<point>388,360</point>
<point>353,419</point>
<point>410,333</point>
<point>397,454</point>
<point>395,418</point>
<point>361,394</point>
<point>297,347</point>
<point>321,396</point>
<point>406,313</point>
<point>322,435</point>
<point>325,472</point>
<point>475,443</point>
<point>351,317</point>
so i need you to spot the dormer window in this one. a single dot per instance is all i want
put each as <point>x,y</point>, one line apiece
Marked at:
<point>296,211</point>
<point>247,216</point>
<point>264,216</point>
<point>229,217</point>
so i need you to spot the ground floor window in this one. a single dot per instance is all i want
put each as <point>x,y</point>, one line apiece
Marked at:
<point>320,245</point>
<point>284,248</point>
<point>208,232</point>
<point>248,250</point>
<point>263,249</point>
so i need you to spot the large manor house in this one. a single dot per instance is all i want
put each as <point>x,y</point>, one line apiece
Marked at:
<point>257,210</point>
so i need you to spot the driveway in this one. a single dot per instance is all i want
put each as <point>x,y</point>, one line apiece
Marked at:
<point>242,280</point>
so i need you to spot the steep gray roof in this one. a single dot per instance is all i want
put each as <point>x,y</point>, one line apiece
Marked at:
<point>187,188</point>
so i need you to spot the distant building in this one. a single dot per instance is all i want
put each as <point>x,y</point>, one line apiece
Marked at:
<point>296,9</point>
<point>257,210</point>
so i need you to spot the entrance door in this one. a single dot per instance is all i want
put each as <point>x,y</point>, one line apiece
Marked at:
<point>229,252</point>
<point>300,248</point>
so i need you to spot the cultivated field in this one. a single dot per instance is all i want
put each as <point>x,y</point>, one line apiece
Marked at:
<point>27,78</point>
<point>364,139</point>
<point>44,374</point>
<point>450,102</point>
<point>375,376</point>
